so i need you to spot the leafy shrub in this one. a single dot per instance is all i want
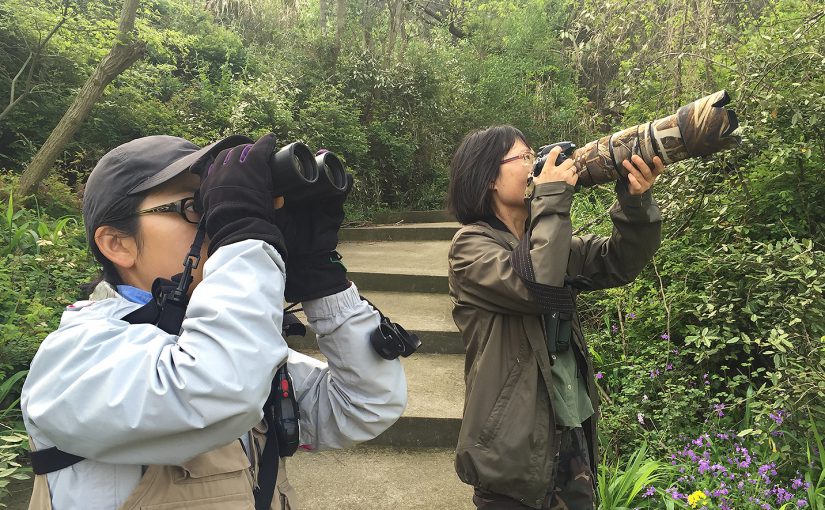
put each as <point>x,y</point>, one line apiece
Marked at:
<point>43,262</point>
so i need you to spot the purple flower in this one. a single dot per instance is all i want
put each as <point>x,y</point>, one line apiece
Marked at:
<point>654,373</point>
<point>669,366</point>
<point>631,315</point>
<point>599,375</point>
<point>720,409</point>
<point>665,336</point>
<point>651,490</point>
<point>675,494</point>
<point>782,495</point>
<point>778,417</point>
<point>614,328</point>
<point>801,502</point>
<point>796,483</point>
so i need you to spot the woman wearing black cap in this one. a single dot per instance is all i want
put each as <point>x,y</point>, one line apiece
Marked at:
<point>124,414</point>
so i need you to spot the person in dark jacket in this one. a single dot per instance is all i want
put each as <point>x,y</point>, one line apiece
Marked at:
<point>528,436</point>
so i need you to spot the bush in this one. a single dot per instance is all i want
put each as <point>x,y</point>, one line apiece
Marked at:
<point>43,262</point>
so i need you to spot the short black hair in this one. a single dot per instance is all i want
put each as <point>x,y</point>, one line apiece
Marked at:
<point>475,165</point>
<point>122,217</point>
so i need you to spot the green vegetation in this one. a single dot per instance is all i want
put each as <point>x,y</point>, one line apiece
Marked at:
<point>721,340</point>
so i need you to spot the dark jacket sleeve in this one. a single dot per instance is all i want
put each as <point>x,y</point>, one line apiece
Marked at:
<point>618,259</point>
<point>481,274</point>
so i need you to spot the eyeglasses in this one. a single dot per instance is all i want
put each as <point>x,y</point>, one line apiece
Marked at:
<point>185,207</point>
<point>527,158</point>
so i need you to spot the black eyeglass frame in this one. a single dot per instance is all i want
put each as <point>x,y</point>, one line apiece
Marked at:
<point>178,206</point>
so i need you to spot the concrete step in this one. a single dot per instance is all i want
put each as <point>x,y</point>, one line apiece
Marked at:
<point>374,478</point>
<point>435,402</point>
<point>428,315</point>
<point>428,258</point>
<point>412,232</point>
<point>414,217</point>
<point>401,266</point>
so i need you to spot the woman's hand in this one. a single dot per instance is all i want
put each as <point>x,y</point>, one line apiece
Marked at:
<point>551,173</point>
<point>640,177</point>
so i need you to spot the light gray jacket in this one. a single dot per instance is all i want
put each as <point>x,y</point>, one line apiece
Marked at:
<point>128,395</point>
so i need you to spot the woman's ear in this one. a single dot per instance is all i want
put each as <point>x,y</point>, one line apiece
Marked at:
<point>119,248</point>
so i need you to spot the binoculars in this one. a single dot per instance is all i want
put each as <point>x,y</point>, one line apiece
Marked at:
<point>697,129</point>
<point>300,177</point>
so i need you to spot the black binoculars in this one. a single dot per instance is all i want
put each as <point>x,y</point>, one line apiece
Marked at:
<point>300,177</point>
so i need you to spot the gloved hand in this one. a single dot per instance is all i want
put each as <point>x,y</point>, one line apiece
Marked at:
<point>236,196</point>
<point>315,269</point>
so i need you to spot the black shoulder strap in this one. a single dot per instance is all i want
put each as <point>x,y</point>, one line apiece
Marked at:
<point>557,299</point>
<point>51,459</point>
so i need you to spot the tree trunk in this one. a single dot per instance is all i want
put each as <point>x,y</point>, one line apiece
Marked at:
<point>366,25</point>
<point>396,12</point>
<point>126,51</point>
<point>340,21</point>
<point>322,16</point>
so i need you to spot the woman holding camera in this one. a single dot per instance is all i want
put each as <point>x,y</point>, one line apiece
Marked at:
<point>528,436</point>
<point>127,415</point>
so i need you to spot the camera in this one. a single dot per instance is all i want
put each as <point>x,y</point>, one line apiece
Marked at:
<point>567,149</point>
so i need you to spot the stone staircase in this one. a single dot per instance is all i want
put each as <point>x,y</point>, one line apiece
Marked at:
<point>400,265</point>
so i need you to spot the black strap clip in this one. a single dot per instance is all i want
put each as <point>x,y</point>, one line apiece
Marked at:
<point>390,340</point>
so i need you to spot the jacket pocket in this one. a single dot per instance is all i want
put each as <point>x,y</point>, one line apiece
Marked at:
<point>216,480</point>
<point>501,407</point>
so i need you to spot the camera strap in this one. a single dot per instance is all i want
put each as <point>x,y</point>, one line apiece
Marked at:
<point>551,298</point>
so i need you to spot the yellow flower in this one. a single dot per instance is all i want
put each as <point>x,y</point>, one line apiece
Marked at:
<point>696,497</point>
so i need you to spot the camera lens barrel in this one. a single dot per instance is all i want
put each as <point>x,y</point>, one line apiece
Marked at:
<point>697,129</point>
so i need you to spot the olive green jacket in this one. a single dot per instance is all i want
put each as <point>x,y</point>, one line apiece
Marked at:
<point>507,442</point>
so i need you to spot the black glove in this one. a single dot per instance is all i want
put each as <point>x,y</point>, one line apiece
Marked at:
<point>315,269</point>
<point>236,196</point>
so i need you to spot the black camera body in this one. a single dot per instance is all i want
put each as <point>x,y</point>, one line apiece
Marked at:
<point>567,149</point>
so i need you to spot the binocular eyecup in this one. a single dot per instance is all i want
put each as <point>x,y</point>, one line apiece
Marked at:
<point>300,177</point>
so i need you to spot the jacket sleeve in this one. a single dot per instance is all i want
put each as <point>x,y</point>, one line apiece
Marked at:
<point>481,273</point>
<point>618,259</point>
<point>356,394</point>
<point>114,392</point>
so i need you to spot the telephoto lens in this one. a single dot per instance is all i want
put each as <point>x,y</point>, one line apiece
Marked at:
<point>697,129</point>
<point>293,170</point>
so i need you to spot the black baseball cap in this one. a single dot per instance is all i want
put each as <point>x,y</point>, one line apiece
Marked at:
<point>138,166</point>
